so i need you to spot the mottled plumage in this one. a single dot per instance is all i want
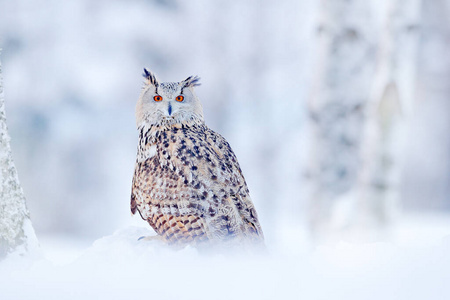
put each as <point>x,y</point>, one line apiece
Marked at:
<point>187,183</point>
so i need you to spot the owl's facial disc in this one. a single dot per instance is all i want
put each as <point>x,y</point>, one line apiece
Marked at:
<point>168,108</point>
<point>168,103</point>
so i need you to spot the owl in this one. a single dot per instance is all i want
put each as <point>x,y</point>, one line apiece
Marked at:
<point>187,182</point>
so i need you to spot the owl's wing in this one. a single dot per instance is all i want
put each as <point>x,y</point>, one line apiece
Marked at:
<point>236,214</point>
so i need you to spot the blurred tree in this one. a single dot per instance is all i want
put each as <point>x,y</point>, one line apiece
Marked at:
<point>364,80</point>
<point>16,232</point>
<point>390,104</point>
<point>429,145</point>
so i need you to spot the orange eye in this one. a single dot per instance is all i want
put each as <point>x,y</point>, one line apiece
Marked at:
<point>157,98</point>
<point>179,98</point>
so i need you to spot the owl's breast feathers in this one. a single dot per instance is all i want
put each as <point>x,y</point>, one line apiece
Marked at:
<point>188,185</point>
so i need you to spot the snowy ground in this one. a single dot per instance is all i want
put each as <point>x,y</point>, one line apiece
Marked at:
<point>414,265</point>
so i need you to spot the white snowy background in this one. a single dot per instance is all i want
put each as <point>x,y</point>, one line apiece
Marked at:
<point>72,75</point>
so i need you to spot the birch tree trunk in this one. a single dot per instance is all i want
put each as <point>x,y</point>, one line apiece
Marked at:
<point>363,82</point>
<point>16,231</point>
<point>429,147</point>
<point>390,104</point>
<point>345,67</point>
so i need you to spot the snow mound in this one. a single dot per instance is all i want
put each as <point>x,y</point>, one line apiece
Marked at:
<point>121,267</point>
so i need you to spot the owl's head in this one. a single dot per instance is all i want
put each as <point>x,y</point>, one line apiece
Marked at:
<point>168,103</point>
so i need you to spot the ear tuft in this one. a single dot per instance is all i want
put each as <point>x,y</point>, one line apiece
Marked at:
<point>150,78</point>
<point>191,81</point>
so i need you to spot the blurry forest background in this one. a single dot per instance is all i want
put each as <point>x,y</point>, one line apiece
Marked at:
<point>292,85</point>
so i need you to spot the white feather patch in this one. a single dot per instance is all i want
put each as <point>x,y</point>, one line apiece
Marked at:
<point>151,151</point>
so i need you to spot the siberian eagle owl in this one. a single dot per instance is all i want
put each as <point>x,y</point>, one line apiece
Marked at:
<point>187,182</point>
